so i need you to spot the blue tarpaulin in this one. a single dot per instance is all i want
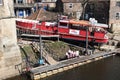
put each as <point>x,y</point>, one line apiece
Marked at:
<point>41,61</point>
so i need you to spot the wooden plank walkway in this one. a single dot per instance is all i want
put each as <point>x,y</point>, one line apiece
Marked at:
<point>68,62</point>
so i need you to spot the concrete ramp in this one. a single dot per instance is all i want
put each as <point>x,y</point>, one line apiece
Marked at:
<point>45,54</point>
<point>48,58</point>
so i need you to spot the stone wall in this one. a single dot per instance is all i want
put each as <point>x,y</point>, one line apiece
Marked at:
<point>115,28</point>
<point>10,55</point>
<point>114,21</point>
<point>6,9</point>
<point>76,8</point>
<point>112,13</point>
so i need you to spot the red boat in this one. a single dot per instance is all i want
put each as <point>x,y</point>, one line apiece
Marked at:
<point>68,29</point>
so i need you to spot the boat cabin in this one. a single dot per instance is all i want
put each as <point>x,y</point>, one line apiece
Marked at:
<point>78,29</point>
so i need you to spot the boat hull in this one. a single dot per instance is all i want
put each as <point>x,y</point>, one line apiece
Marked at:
<point>40,29</point>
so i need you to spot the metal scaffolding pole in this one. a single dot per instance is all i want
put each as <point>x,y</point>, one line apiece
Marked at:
<point>86,41</point>
<point>41,61</point>
<point>40,46</point>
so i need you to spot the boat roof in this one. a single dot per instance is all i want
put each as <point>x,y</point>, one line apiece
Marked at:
<point>80,22</point>
<point>101,25</point>
<point>27,20</point>
<point>85,23</point>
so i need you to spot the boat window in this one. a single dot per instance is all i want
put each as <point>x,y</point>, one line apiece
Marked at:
<point>61,24</point>
<point>74,26</point>
<point>77,27</point>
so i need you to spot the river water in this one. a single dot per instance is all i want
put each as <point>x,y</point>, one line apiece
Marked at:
<point>104,69</point>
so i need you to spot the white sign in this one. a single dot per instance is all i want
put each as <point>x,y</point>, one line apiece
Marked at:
<point>75,32</point>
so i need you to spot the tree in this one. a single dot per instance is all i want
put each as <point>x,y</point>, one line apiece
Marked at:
<point>84,4</point>
<point>59,6</point>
